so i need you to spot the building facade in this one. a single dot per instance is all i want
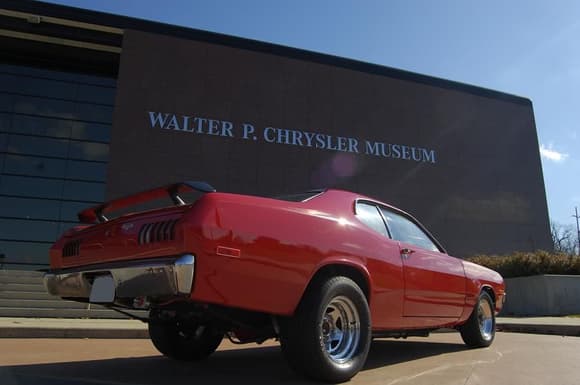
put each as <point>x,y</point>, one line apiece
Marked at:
<point>95,106</point>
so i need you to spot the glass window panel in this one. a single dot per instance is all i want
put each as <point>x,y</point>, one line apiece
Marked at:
<point>94,113</point>
<point>28,230</point>
<point>64,226</point>
<point>406,231</point>
<point>25,252</point>
<point>6,102</point>
<point>38,87</point>
<point>84,191</point>
<point>69,211</point>
<point>2,149</point>
<point>31,165</point>
<point>24,124</point>
<point>37,146</point>
<point>9,82</point>
<point>44,107</point>
<point>369,215</point>
<point>3,143</point>
<point>29,208</point>
<point>5,122</point>
<point>66,76</point>
<point>30,186</point>
<point>91,131</point>
<point>96,94</point>
<point>89,151</point>
<point>77,169</point>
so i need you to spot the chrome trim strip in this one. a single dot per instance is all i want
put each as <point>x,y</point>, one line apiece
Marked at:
<point>140,235</point>
<point>148,233</point>
<point>157,231</point>
<point>163,233</point>
<point>59,21</point>
<point>172,230</point>
<point>59,41</point>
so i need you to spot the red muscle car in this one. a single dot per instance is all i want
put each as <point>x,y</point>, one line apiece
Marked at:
<point>323,271</point>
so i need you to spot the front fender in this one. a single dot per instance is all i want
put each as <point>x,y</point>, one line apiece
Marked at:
<point>479,278</point>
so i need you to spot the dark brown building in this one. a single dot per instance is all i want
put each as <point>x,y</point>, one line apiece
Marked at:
<point>94,106</point>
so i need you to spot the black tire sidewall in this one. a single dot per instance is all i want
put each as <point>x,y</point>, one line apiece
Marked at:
<point>357,297</point>
<point>470,331</point>
<point>165,337</point>
<point>486,297</point>
<point>302,342</point>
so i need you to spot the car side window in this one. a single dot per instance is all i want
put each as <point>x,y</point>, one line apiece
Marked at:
<point>370,216</point>
<point>404,230</point>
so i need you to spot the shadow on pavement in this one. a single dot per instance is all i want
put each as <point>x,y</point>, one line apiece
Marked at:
<point>390,352</point>
<point>253,365</point>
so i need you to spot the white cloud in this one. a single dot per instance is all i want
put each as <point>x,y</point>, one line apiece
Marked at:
<point>550,154</point>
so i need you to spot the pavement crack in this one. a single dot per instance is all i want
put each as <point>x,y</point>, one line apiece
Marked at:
<point>470,374</point>
<point>473,364</point>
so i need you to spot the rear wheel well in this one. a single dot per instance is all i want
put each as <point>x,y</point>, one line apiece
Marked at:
<point>336,270</point>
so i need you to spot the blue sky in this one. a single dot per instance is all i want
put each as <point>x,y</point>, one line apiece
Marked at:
<point>528,48</point>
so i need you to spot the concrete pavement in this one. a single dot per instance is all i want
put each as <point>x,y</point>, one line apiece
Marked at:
<point>442,359</point>
<point>114,328</point>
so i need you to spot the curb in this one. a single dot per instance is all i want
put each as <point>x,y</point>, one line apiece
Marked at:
<point>560,330</point>
<point>40,332</point>
<point>142,333</point>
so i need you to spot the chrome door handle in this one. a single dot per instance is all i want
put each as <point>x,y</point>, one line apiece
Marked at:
<point>406,253</point>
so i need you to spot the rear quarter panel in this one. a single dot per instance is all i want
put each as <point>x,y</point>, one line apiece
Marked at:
<point>281,246</point>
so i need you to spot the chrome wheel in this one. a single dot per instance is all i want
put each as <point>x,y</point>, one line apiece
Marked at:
<point>485,319</point>
<point>340,329</point>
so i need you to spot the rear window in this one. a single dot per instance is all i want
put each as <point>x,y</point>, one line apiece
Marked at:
<point>298,197</point>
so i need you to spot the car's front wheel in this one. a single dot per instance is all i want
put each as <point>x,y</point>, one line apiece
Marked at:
<point>479,330</point>
<point>184,340</point>
<point>329,336</point>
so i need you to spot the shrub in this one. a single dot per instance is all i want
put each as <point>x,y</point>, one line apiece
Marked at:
<point>523,264</point>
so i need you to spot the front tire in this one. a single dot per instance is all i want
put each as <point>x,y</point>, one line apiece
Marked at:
<point>184,340</point>
<point>479,330</point>
<point>329,336</point>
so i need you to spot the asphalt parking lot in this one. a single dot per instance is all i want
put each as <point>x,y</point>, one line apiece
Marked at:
<point>440,359</point>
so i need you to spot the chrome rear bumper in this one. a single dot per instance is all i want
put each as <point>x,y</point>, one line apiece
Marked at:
<point>155,278</point>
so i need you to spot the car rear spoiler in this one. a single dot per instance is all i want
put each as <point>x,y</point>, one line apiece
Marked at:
<point>97,214</point>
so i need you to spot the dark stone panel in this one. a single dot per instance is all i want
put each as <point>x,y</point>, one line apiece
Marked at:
<point>478,185</point>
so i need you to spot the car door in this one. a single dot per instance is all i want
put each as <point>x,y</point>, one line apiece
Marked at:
<point>434,281</point>
<point>385,266</point>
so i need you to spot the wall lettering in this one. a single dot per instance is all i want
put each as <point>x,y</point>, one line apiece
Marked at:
<point>290,137</point>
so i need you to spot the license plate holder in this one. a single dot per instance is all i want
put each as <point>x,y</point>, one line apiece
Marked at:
<point>103,290</point>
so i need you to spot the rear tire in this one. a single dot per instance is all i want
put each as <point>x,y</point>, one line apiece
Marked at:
<point>185,341</point>
<point>329,336</point>
<point>479,330</point>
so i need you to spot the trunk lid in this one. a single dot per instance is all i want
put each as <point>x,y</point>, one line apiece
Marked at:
<point>140,235</point>
<point>135,236</point>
